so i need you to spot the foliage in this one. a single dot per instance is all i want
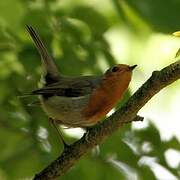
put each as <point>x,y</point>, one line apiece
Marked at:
<point>74,33</point>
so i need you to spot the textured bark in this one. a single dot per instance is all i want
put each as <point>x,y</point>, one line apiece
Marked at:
<point>127,113</point>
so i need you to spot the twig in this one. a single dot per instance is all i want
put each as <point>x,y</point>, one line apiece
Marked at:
<point>127,113</point>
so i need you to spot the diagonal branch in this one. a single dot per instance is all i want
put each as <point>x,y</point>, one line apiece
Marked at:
<point>127,113</point>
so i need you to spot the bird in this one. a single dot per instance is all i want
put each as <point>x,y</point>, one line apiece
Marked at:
<point>78,101</point>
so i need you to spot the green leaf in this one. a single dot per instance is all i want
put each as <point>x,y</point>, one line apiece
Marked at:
<point>162,16</point>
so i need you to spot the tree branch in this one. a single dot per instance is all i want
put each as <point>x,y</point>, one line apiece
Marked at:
<point>127,113</point>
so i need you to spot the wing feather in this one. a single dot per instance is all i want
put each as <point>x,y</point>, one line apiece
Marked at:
<point>70,87</point>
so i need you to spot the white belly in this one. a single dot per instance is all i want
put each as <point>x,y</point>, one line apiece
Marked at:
<point>65,109</point>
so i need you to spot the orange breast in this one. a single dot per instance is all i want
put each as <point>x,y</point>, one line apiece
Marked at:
<point>101,102</point>
<point>105,97</point>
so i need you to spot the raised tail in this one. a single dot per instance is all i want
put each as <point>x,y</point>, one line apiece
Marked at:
<point>51,73</point>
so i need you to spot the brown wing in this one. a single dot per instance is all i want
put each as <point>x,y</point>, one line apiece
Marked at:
<point>70,87</point>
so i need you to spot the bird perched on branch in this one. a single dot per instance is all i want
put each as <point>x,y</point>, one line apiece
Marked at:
<point>80,101</point>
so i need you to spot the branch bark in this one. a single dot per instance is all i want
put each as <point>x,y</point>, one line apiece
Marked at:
<point>127,113</point>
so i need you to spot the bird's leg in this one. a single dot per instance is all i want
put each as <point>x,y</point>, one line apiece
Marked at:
<point>87,129</point>
<point>87,132</point>
<point>60,137</point>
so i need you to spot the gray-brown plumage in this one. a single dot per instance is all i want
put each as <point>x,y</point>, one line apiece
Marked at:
<point>78,101</point>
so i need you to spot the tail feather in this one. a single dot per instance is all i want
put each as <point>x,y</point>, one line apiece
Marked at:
<point>51,73</point>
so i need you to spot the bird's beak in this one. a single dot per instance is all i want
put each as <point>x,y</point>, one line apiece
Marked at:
<point>132,67</point>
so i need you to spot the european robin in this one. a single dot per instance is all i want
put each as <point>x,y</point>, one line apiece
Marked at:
<point>78,101</point>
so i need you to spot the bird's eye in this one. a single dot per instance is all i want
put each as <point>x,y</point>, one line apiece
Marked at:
<point>115,69</point>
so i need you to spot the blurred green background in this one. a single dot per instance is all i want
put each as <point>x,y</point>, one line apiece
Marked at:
<point>86,37</point>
